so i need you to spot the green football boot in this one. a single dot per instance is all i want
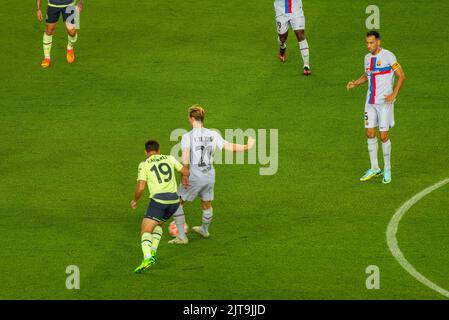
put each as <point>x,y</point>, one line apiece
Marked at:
<point>146,264</point>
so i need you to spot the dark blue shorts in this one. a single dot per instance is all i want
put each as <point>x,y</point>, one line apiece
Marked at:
<point>53,14</point>
<point>159,211</point>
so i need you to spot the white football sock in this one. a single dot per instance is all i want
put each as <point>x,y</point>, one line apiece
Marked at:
<point>180,220</point>
<point>304,49</point>
<point>372,149</point>
<point>207,219</point>
<point>386,149</point>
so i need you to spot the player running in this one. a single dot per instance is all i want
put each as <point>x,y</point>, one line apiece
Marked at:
<point>381,67</point>
<point>289,13</point>
<point>158,172</point>
<point>55,8</point>
<point>198,148</point>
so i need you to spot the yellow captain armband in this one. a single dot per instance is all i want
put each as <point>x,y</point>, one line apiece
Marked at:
<point>395,66</point>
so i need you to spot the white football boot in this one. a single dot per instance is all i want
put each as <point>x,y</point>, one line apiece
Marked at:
<point>179,241</point>
<point>201,232</point>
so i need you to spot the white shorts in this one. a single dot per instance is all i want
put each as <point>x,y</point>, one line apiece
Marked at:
<point>379,115</point>
<point>296,21</point>
<point>205,191</point>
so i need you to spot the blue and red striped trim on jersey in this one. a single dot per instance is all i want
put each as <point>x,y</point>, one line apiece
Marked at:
<point>288,6</point>
<point>375,72</point>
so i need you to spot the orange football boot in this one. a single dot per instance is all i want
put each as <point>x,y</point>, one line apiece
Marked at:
<point>45,63</point>
<point>70,56</point>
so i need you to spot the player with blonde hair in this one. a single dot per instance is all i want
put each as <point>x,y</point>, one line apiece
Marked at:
<point>198,146</point>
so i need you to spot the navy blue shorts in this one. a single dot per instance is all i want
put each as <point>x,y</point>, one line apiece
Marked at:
<point>159,211</point>
<point>53,14</point>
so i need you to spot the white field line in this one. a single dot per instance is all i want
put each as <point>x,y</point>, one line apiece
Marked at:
<point>393,242</point>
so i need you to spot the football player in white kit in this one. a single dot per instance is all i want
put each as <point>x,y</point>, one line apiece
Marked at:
<point>381,67</point>
<point>289,13</point>
<point>198,147</point>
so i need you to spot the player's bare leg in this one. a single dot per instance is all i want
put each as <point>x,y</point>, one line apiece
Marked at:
<point>203,230</point>
<point>304,50</point>
<point>72,38</point>
<point>373,146</point>
<point>386,149</point>
<point>47,43</point>
<point>282,40</point>
<point>151,232</point>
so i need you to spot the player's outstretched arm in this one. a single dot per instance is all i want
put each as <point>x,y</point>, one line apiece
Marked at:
<point>401,78</point>
<point>359,81</point>
<point>39,11</point>
<point>234,147</point>
<point>138,193</point>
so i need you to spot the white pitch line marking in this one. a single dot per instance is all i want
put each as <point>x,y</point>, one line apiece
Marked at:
<point>393,242</point>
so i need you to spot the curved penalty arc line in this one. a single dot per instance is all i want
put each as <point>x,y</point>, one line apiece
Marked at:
<point>392,242</point>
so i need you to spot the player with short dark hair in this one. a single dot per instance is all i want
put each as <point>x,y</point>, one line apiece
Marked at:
<point>158,172</point>
<point>55,9</point>
<point>373,33</point>
<point>381,66</point>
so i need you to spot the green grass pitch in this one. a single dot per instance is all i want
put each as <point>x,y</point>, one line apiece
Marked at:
<point>72,137</point>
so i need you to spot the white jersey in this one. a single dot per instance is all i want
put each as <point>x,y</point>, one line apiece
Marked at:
<point>380,72</point>
<point>288,6</point>
<point>202,143</point>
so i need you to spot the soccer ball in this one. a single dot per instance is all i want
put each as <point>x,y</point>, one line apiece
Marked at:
<point>173,230</point>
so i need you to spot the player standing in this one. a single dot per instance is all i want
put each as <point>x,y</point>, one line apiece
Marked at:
<point>158,172</point>
<point>381,67</point>
<point>198,147</point>
<point>55,8</point>
<point>289,13</point>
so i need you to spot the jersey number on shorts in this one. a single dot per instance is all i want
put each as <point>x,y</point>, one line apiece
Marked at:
<point>164,169</point>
